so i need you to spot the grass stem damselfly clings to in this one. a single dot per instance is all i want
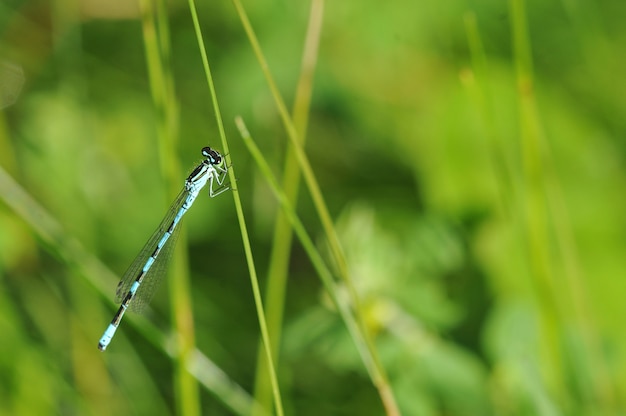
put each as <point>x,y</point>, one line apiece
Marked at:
<point>139,283</point>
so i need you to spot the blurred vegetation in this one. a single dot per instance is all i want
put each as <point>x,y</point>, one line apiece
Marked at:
<point>472,157</point>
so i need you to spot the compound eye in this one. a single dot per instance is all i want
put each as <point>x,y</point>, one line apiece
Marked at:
<point>213,156</point>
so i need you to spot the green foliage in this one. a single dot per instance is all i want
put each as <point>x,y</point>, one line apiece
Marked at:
<point>470,158</point>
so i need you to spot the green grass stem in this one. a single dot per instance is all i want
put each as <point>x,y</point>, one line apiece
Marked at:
<point>535,216</point>
<point>334,291</point>
<point>156,40</point>
<point>375,369</point>
<point>500,163</point>
<point>242,223</point>
<point>557,273</point>
<point>554,288</point>
<point>283,235</point>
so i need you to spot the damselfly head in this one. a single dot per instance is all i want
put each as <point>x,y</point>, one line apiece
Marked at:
<point>213,156</point>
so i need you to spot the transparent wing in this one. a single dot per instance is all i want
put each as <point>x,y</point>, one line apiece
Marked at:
<point>157,271</point>
<point>155,275</point>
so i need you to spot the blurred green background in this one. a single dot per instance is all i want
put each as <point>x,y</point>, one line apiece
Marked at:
<point>471,153</point>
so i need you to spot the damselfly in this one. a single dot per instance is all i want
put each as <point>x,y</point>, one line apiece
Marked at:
<point>142,277</point>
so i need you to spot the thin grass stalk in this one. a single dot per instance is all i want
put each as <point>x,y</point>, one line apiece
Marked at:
<point>239,209</point>
<point>339,297</point>
<point>500,162</point>
<point>69,250</point>
<point>536,225</point>
<point>546,208</point>
<point>283,235</point>
<point>600,383</point>
<point>156,39</point>
<point>372,363</point>
<point>316,258</point>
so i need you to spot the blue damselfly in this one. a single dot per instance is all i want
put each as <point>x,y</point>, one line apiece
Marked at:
<point>137,286</point>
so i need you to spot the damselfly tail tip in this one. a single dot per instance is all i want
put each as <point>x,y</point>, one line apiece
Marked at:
<point>106,337</point>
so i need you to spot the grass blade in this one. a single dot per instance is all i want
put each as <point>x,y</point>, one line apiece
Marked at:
<point>156,40</point>
<point>546,217</point>
<point>242,223</point>
<point>283,236</point>
<point>375,369</point>
<point>343,305</point>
